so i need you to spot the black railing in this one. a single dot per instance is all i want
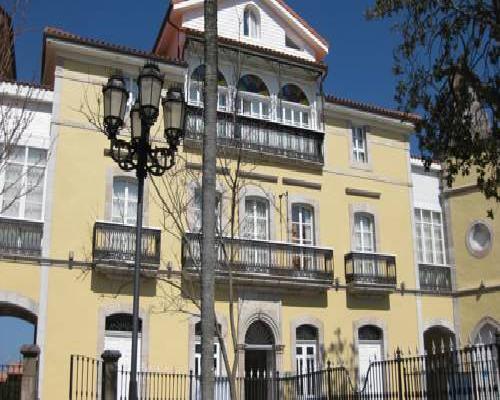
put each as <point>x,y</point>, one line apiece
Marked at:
<point>469,373</point>
<point>370,269</point>
<point>85,378</point>
<point>262,257</point>
<point>261,136</point>
<point>10,381</point>
<point>20,237</point>
<point>435,278</point>
<point>114,244</point>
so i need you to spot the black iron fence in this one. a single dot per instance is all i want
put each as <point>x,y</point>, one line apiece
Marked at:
<point>262,257</point>
<point>469,373</point>
<point>370,268</point>
<point>10,381</point>
<point>435,278</point>
<point>21,237</point>
<point>259,135</point>
<point>114,243</point>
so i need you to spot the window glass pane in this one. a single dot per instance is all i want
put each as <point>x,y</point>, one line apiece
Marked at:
<point>305,118</point>
<point>37,157</point>
<point>12,190</point>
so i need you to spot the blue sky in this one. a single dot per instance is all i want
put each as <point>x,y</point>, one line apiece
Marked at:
<point>360,58</point>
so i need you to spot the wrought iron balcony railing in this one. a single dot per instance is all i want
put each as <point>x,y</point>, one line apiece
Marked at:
<point>258,257</point>
<point>370,269</point>
<point>21,237</point>
<point>436,278</point>
<point>271,138</point>
<point>114,244</point>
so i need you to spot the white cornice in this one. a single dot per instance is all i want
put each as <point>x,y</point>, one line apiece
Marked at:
<point>365,116</point>
<point>126,62</point>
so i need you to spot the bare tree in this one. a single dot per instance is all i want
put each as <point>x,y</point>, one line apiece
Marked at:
<point>19,104</point>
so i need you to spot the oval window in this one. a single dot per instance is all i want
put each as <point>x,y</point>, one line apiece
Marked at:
<point>479,239</point>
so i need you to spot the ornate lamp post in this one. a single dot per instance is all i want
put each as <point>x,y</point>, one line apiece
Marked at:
<point>138,153</point>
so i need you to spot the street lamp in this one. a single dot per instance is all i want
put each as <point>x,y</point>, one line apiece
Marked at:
<point>140,154</point>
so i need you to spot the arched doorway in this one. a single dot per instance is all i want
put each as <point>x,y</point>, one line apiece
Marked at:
<point>18,326</point>
<point>260,360</point>
<point>259,349</point>
<point>438,338</point>
<point>370,349</point>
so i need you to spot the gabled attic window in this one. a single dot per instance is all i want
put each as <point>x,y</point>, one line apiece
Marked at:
<point>291,43</point>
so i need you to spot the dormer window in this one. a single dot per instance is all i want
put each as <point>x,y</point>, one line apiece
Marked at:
<point>251,23</point>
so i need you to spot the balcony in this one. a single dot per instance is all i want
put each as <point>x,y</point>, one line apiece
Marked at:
<point>20,237</point>
<point>370,271</point>
<point>435,278</point>
<point>263,137</point>
<point>261,261</point>
<point>113,245</point>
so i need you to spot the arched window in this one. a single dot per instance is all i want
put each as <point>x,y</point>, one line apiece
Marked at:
<point>124,203</point>
<point>251,22</point>
<point>306,349</point>
<point>196,88</point>
<point>253,97</point>
<point>486,334</point>
<point>197,351</point>
<point>295,108</point>
<point>370,349</point>
<point>118,337</point>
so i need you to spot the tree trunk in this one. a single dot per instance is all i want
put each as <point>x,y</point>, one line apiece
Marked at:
<point>208,253</point>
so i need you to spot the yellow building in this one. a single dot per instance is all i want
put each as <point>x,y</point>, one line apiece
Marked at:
<point>329,230</point>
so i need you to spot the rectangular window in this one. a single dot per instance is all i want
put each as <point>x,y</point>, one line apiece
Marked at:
<point>124,206</point>
<point>430,237</point>
<point>196,211</point>
<point>197,358</point>
<point>359,152</point>
<point>24,182</point>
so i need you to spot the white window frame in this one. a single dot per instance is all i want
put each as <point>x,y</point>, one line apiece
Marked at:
<point>249,22</point>
<point>125,218</point>
<point>359,144</point>
<point>196,211</point>
<point>197,357</point>
<point>421,237</point>
<point>23,182</point>
<point>254,218</point>
<point>254,99</point>
<point>297,112</point>
<point>301,224</point>
<point>370,228</point>
<point>196,89</point>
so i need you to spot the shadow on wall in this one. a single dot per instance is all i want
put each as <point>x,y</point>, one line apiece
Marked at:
<point>120,285</point>
<point>368,302</point>
<point>341,352</point>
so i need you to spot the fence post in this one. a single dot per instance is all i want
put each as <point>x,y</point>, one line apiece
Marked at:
<point>109,379</point>
<point>277,383</point>
<point>29,380</point>
<point>400,380</point>
<point>190,384</point>
<point>497,342</point>
<point>329,379</point>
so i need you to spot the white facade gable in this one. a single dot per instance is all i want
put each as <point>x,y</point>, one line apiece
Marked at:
<point>273,26</point>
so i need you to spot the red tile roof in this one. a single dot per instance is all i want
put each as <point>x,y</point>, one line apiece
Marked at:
<point>386,112</point>
<point>261,49</point>
<point>60,34</point>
